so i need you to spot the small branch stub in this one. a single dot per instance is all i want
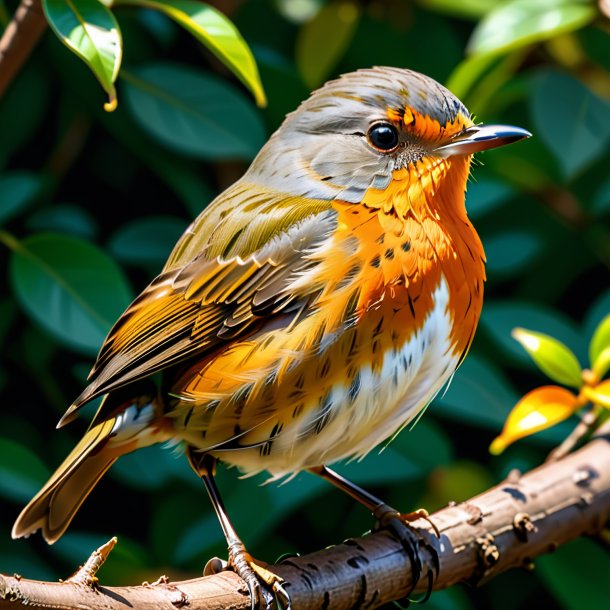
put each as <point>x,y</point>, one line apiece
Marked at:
<point>86,574</point>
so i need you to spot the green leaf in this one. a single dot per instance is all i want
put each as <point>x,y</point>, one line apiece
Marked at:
<point>509,252</point>
<point>571,120</point>
<point>17,191</point>
<point>323,40</point>
<point>216,32</point>
<point>522,22</point>
<point>601,200</point>
<point>553,358</point>
<point>64,218</point>
<point>469,9</point>
<point>148,241</point>
<point>501,316</point>
<point>485,196</point>
<point>69,287</point>
<point>468,73</point>
<point>577,575</point>
<point>193,112</point>
<point>599,348</point>
<point>21,471</point>
<point>92,33</point>
<point>478,393</point>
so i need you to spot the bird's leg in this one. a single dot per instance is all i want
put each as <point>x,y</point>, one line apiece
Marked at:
<point>252,572</point>
<point>389,518</point>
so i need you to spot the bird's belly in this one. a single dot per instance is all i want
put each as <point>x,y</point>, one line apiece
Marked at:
<point>348,419</point>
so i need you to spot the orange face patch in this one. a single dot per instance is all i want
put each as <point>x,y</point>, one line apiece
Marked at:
<point>425,127</point>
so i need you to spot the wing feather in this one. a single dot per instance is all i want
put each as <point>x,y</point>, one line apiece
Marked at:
<point>202,300</point>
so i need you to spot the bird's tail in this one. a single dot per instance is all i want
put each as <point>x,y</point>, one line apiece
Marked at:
<point>55,505</point>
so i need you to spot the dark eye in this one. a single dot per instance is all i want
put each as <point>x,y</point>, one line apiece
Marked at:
<point>383,136</point>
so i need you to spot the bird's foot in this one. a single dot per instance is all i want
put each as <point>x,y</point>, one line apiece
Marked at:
<point>411,539</point>
<point>265,587</point>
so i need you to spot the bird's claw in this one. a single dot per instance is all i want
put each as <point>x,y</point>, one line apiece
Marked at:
<point>399,525</point>
<point>266,588</point>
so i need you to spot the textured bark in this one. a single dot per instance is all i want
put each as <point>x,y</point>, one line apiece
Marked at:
<point>504,527</point>
<point>19,39</point>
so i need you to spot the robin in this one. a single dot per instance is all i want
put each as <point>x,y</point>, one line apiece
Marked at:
<point>310,312</point>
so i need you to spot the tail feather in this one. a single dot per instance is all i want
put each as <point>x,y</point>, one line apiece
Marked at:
<point>55,505</point>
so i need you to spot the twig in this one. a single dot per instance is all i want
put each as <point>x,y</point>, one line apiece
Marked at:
<point>19,39</point>
<point>504,527</point>
<point>584,426</point>
<point>86,574</point>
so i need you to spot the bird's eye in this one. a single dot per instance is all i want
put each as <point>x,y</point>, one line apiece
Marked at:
<point>383,136</point>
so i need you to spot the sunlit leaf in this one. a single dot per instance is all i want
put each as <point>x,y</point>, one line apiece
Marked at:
<point>519,23</point>
<point>216,32</point>
<point>69,287</point>
<point>600,394</point>
<point>600,342</point>
<point>539,409</point>
<point>468,72</point>
<point>89,29</point>
<point>17,191</point>
<point>322,41</point>
<point>193,112</point>
<point>471,9</point>
<point>552,356</point>
<point>572,121</point>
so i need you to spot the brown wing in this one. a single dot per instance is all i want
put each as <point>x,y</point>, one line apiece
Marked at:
<point>214,290</point>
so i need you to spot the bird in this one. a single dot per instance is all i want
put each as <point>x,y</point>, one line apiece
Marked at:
<point>308,314</point>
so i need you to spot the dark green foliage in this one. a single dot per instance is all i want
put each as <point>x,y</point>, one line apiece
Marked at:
<point>88,199</point>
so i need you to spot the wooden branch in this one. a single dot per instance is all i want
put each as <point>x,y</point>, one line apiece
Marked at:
<point>19,39</point>
<point>504,527</point>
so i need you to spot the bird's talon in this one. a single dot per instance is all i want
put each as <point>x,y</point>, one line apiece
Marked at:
<point>282,599</point>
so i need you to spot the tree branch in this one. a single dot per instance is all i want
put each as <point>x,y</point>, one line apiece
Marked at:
<point>504,527</point>
<point>19,39</point>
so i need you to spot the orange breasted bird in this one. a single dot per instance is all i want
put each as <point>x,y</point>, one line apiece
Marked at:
<point>309,313</point>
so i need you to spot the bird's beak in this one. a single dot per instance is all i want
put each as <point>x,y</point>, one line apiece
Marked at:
<point>481,137</point>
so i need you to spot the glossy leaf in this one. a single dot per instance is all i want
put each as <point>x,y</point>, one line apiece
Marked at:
<point>216,32</point>
<point>572,121</point>
<point>70,288</point>
<point>600,342</point>
<point>17,191</point>
<point>193,112</point>
<point>478,394</point>
<point>539,409</point>
<point>499,317</point>
<point>509,252</point>
<point>89,30</point>
<point>519,23</point>
<point>486,196</point>
<point>552,357</point>
<point>148,241</point>
<point>600,394</point>
<point>466,8</point>
<point>64,218</point>
<point>323,40</point>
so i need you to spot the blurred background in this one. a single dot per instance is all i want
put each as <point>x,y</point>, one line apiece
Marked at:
<point>91,203</point>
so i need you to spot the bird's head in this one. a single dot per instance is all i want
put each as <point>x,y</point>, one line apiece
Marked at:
<point>372,130</point>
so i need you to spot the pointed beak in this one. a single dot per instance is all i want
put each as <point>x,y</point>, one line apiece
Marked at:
<point>481,137</point>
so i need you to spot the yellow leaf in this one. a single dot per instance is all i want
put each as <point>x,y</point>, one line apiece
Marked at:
<point>539,409</point>
<point>600,394</point>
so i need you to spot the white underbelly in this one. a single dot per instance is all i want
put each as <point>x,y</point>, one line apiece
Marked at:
<point>386,400</point>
